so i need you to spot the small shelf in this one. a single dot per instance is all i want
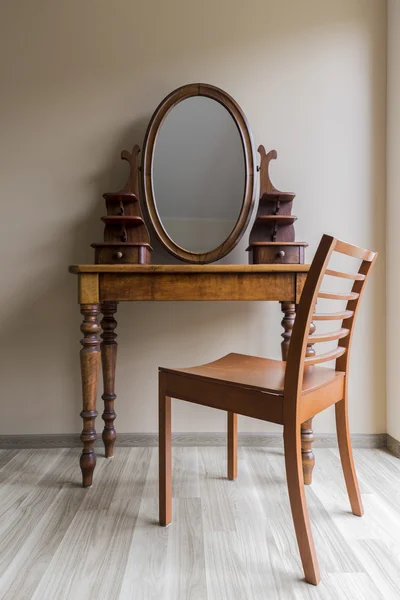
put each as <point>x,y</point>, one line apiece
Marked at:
<point>127,197</point>
<point>260,244</point>
<point>119,244</point>
<point>274,196</point>
<point>272,238</point>
<point>280,219</point>
<point>123,220</point>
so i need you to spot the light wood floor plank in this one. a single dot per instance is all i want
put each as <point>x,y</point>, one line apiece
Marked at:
<point>186,572</point>
<point>185,481</point>
<point>226,575</point>
<point>247,558</point>
<point>145,573</point>
<point>225,502</point>
<point>6,455</point>
<point>20,475</point>
<point>91,558</point>
<point>351,586</point>
<point>228,540</point>
<point>36,528</point>
<point>380,473</point>
<point>379,522</point>
<point>382,564</point>
<point>28,566</point>
<point>336,555</point>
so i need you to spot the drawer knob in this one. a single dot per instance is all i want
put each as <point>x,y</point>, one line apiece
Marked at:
<point>118,255</point>
<point>281,253</point>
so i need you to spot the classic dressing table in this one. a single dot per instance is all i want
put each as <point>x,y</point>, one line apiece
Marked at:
<point>196,186</point>
<point>101,287</point>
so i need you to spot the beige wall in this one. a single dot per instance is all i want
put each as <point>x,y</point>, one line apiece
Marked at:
<point>79,82</point>
<point>393,219</point>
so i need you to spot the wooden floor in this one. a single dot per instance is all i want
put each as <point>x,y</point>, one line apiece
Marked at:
<point>228,540</point>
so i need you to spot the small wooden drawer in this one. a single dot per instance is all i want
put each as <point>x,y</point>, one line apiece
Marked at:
<point>123,254</point>
<point>280,254</point>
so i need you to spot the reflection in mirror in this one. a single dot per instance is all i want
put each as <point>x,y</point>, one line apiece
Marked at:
<point>198,174</point>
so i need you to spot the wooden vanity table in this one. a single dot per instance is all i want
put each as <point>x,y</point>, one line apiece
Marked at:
<point>101,287</point>
<point>196,187</point>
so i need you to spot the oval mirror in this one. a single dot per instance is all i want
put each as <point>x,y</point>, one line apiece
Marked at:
<point>198,173</point>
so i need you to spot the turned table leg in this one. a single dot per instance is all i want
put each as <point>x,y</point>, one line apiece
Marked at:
<point>108,361</point>
<point>90,363</point>
<point>307,435</point>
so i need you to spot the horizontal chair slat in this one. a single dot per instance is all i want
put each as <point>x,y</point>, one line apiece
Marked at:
<point>344,314</point>
<point>334,296</point>
<point>355,251</point>
<point>327,356</point>
<point>353,276</point>
<point>329,336</point>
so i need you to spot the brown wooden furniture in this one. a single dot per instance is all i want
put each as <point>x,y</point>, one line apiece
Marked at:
<point>100,289</point>
<point>127,242</point>
<point>126,239</point>
<point>285,393</point>
<point>272,236</point>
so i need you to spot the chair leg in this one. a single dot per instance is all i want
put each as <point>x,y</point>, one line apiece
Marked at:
<point>165,459</point>
<point>232,445</point>
<point>346,456</point>
<point>295,481</point>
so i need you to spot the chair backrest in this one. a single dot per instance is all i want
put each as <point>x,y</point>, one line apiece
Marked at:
<point>297,361</point>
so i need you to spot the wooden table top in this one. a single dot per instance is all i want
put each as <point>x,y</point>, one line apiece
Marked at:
<point>188,268</point>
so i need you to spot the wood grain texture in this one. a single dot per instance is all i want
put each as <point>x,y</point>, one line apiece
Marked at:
<point>145,572</point>
<point>185,556</point>
<point>36,528</point>
<point>336,555</point>
<point>76,269</point>
<point>231,286</point>
<point>6,456</point>
<point>231,541</point>
<point>100,534</point>
<point>185,468</point>
<point>26,469</point>
<point>88,288</point>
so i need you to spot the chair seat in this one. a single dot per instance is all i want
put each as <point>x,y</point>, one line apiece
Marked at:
<point>257,373</point>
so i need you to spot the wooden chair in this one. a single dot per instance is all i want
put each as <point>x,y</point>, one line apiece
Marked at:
<point>286,393</point>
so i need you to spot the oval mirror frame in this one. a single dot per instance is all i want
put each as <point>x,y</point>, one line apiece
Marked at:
<point>156,121</point>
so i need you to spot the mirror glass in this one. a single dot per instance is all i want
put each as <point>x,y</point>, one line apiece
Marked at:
<point>198,174</point>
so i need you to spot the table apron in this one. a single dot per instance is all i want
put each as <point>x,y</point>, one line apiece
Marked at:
<point>284,287</point>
